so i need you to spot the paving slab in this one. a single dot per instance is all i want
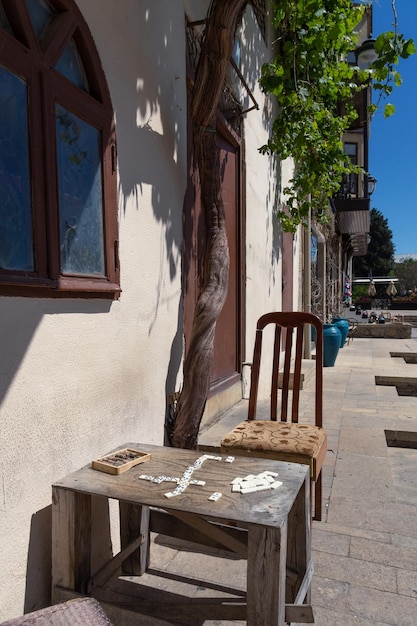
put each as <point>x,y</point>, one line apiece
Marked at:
<point>383,516</point>
<point>363,441</point>
<point>379,552</point>
<point>332,617</point>
<point>403,463</point>
<point>407,583</point>
<point>382,607</point>
<point>334,543</point>
<point>367,574</point>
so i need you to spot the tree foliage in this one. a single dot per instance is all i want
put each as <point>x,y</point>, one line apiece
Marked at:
<point>310,78</point>
<point>406,272</point>
<point>379,261</point>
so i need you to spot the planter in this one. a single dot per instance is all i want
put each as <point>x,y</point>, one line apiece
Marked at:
<point>406,306</point>
<point>332,338</point>
<point>343,325</point>
<point>364,305</point>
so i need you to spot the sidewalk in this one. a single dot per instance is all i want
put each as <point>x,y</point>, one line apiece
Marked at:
<point>365,549</point>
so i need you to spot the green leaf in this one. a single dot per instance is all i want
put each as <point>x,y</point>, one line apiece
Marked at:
<point>409,49</point>
<point>310,79</point>
<point>389,110</point>
<point>397,79</point>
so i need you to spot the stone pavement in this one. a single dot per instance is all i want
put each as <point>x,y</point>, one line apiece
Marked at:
<point>365,549</point>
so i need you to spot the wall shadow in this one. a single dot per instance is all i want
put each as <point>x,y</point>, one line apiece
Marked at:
<point>19,324</point>
<point>39,562</point>
<point>151,150</point>
<point>39,559</point>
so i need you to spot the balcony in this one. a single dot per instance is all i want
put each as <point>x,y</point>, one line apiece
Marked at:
<point>352,215</point>
<point>352,207</point>
<point>359,243</point>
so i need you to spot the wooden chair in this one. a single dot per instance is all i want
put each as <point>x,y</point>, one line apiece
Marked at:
<point>285,439</point>
<point>353,327</point>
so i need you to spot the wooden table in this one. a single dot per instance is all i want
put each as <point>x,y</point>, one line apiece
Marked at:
<point>271,529</point>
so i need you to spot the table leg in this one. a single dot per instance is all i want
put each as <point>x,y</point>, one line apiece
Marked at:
<point>299,547</point>
<point>267,549</point>
<point>71,540</point>
<point>134,521</point>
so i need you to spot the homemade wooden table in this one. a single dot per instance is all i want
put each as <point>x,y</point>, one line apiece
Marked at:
<point>270,528</point>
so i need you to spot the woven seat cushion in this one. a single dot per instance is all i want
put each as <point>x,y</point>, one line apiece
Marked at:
<point>286,441</point>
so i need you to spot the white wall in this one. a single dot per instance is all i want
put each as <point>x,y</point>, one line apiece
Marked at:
<point>80,377</point>
<point>265,178</point>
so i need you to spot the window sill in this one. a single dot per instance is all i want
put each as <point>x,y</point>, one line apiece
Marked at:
<point>62,288</point>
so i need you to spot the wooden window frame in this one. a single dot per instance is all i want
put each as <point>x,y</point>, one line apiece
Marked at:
<point>34,61</point>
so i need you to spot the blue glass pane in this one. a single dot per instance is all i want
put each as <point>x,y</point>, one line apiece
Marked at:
<point>15,195</point>
<point>4,22</point>
<point>70,65</point>
<point>41,13</point>
<point>80,195</point>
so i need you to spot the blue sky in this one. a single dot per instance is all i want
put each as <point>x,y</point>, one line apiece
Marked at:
<point>393,142</point>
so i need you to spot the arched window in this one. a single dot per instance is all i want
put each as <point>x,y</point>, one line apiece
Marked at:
<point>58,189</point>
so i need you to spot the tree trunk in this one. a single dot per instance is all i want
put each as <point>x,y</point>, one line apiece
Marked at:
<point>211,71</point>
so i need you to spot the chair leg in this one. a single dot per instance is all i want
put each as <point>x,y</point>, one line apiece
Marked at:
<point>318,491</point>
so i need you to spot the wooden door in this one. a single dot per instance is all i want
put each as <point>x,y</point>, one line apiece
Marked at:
<point>226,346</point>
<point>226,368</point>
<point>287,271</point>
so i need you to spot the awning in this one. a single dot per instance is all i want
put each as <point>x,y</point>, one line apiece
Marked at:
<point>378,279</point>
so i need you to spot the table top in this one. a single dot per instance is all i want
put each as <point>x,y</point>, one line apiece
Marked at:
<point>267,508</point>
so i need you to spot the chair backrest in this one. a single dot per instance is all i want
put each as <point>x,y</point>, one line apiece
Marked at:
<point>289,374</point>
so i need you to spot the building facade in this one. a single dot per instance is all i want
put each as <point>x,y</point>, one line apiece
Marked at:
<point>347,234</point>
<point>100,242</point>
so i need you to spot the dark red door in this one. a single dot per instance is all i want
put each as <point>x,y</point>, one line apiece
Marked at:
<point>226,368</point>
<point>226,347</point>
<point>287,271</point>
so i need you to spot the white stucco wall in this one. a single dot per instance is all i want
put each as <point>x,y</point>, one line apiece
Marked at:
<point>287,172</point>
<point>260,188</point>
<point>266,176</point>
<point>79,377</point>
